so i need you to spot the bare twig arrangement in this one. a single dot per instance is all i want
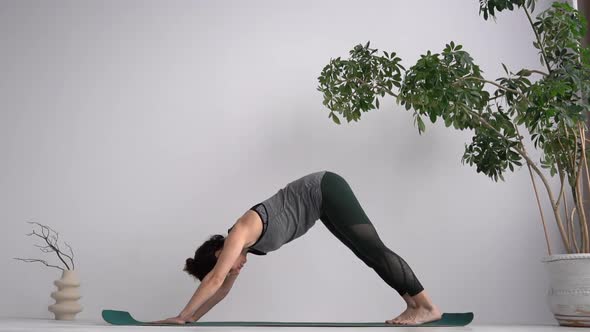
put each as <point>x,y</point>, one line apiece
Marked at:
<point>51,239</point>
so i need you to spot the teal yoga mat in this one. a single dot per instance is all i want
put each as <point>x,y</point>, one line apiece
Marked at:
<point>117,317</point>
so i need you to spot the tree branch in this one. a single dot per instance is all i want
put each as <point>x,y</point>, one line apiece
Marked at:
<point>30,260</point>
<point>47,240</point>
<point>538,38</point>
<point>538,72</point>
<point>495,84</point>
<point>71,253</point>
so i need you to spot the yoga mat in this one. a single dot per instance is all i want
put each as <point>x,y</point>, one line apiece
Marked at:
<point>117,317</point>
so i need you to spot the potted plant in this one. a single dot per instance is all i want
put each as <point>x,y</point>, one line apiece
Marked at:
<point>66,304</point>
<point>551,103</point>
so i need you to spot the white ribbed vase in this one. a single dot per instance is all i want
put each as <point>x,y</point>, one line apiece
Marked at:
<point>66,297</point>
<point>569,288</point>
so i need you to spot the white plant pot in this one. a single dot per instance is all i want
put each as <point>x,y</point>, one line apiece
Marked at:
<point>569,288</point>
<point>66,297</point>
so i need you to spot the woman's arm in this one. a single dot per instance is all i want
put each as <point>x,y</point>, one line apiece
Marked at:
<point>203,309</point>
<point>204,292</point>
<point>228,283</point>
<point>220,295</point>
<point>232,248</point>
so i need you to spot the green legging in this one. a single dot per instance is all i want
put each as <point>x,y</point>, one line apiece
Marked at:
<point>344,217</point>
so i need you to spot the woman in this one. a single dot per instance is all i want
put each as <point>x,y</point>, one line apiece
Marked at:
<point>287,215</point>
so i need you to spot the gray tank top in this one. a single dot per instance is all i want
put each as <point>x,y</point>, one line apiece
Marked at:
<point>289,213</point>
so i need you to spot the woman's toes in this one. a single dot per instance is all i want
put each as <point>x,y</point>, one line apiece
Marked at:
<point>393,320</point>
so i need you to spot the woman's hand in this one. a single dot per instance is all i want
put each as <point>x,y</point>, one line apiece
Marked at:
<point>174,320</point>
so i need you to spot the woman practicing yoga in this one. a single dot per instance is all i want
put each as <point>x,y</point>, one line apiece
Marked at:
<point>287,215</point>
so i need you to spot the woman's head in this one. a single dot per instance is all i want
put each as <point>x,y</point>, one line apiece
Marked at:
<point>206,258</point>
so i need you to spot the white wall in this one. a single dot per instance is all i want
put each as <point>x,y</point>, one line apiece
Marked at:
<point>137,129</point>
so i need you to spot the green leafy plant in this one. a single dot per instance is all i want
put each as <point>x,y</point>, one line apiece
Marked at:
<point>552,103</point>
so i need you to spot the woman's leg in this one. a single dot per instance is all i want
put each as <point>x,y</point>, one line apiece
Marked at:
<point>345,218</point>
<point>329,225</point>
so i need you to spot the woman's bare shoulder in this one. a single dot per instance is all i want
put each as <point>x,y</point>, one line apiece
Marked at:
<point>251,222</point>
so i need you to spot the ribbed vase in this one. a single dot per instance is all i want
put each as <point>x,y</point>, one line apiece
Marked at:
<point>66,297</point>
<point>569,288</point>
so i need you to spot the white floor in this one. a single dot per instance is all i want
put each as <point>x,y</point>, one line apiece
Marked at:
<point>26,325</point>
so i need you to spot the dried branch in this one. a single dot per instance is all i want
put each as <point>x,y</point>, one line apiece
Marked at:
<point>71,253</point>
<point>30,260</point>
<point>51,238</point>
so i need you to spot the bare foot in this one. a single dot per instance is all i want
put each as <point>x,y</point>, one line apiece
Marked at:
<point>417,315</point>
<point>402,316</point>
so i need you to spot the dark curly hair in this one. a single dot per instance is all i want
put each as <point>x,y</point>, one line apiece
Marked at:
<point>204,259</point>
